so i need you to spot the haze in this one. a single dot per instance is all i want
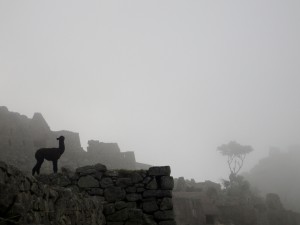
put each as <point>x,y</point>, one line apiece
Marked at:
<point>169,80</point>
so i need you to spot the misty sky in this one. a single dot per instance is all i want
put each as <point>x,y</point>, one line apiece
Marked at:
<point>170,80</point>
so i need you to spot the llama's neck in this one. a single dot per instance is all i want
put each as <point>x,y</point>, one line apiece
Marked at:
<point>61,146</point>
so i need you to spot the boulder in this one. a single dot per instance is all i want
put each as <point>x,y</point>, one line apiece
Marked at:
<point>152,185</point>
<point>124,182</point>
<point>109,209</point>
<point>106,182</point>
<point>135,215</point>
<point>113,194</point>
<point>164,215</point>
<point>120,205</point>
<point>150,206</point>
<point>119,216</point>
<point>157,193</point>
<point>88,182</point>
<point>160,171</point>
<point>85,170</point>
<point>166,204</point>
<point>133,197</point>
<point>131,189</point>
<point>100,167</point>
<point>95,191</point>
<point>136,177</point>
<point>166,183</point>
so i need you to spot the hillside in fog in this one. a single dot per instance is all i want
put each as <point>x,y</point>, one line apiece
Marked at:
<point>279,173</point>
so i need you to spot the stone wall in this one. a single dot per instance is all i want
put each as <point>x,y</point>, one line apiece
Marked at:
<point>24,200</point>
<point>129,197</point>
<point>90,195</point>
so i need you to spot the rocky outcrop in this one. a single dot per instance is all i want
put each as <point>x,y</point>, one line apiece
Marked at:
<point>25,200</point>
<point>89,195</point>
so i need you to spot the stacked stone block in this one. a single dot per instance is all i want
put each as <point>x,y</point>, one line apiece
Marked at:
<point>90,195</point>
<point>24,200</point>
<point>130,197</point>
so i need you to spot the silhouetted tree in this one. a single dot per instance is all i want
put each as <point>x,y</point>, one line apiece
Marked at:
<point>236,155</point>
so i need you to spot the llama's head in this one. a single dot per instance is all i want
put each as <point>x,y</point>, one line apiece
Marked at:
<point>61,138</point>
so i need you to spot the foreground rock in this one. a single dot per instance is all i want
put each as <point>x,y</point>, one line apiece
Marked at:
<point>25,200</point>
<point>90,195</point>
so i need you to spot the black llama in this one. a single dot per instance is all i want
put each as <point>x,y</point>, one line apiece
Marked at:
<point>50,154</point>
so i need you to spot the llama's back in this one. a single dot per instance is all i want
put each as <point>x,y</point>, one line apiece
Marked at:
<point>50,154</point>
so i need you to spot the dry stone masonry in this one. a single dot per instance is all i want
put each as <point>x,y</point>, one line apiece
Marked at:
<point>90,195</point>
<point>24,200</point>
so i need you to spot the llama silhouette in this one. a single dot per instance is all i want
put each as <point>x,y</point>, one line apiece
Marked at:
<point>50,154</point>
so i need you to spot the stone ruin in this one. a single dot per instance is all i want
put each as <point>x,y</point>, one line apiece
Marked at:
<point>21,136</point>
<point>92,195</point>
<point>81,194</point>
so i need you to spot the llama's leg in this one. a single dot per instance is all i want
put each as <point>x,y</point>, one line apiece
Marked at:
<point>37,167</point>
<point>39,164</point>
<point>34,169</point>
<point>55,166</point>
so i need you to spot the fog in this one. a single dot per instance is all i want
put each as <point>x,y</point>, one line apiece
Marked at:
<point>169,80</point>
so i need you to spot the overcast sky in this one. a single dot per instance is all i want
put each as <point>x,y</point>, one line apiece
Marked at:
<point>169,80</point>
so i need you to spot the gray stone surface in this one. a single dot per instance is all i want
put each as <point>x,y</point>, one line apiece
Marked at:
<point>88,182</point>
<point>133,197</point>
<point>135,215</point>
<point>95,191</point>
<point>140,190</point>
<point>160,171</point>
<point>98,175</point>
<point>120,205</point>
<point>109,209</point>
<point>152,185</point>
<point>119,216</point>
<point>100,167</point>
<point>170,222</point>
<point>124,182</point>
<point>85,170</point>
<point>157,193</point>
<point>106,182</point>
<point>133,222</point>
<point>113,194</point>
<point>149,220</point>
<point>131,189</point>
<point>150,206</point>
<point>136,177</point>
<point>164,215</point>
<point>111,173</point>
<point>147,180</point>
<point>166,204</point>
<point>115,223</point>
<point>131,205</point>
<point>166,183</point>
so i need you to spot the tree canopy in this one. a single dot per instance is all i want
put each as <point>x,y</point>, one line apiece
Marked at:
<point>236,154</point>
